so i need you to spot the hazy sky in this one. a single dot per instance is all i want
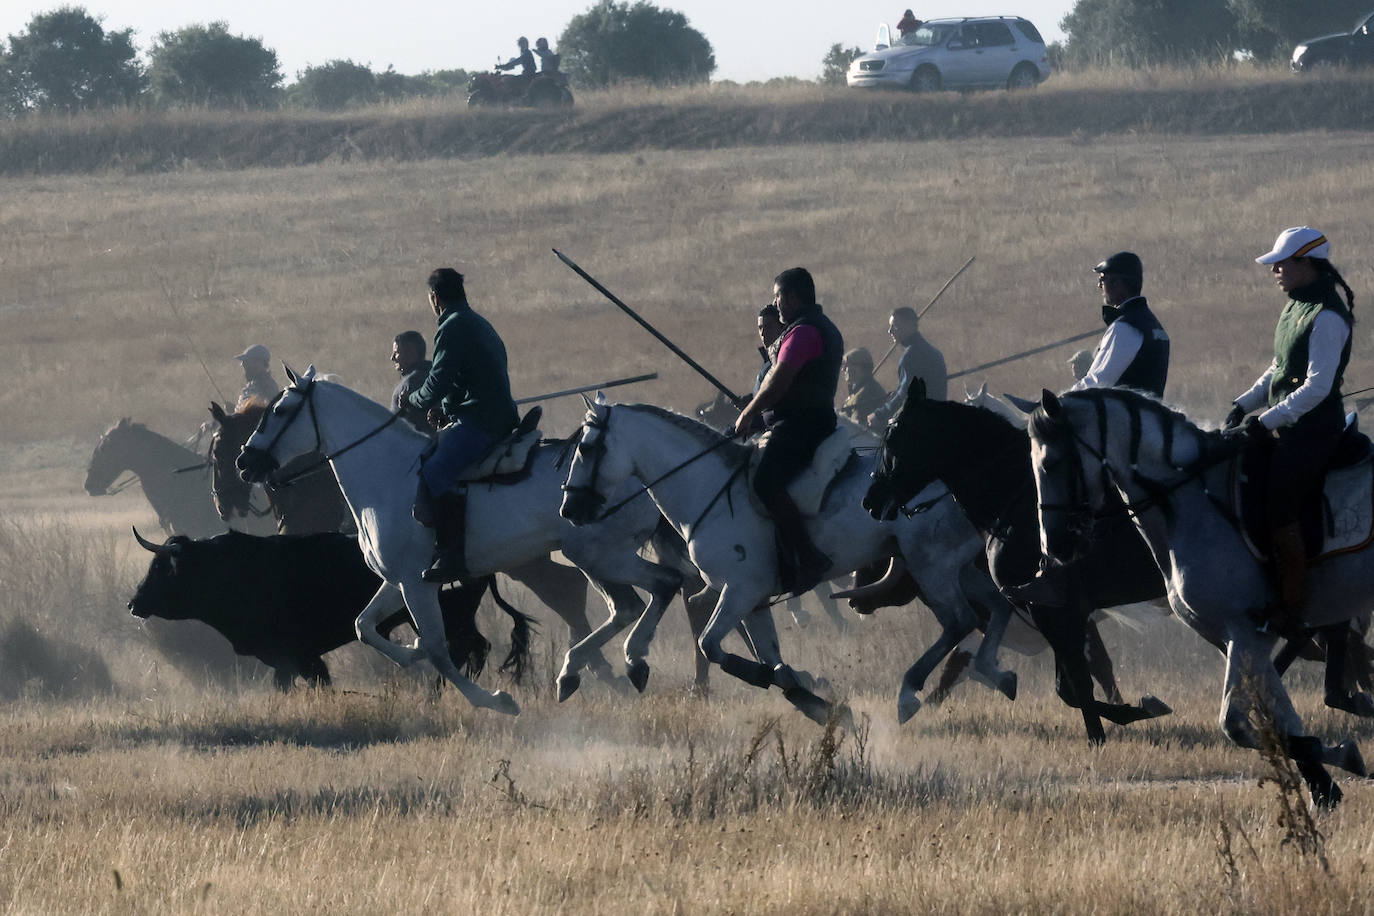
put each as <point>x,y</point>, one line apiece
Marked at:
<point>752,40</point>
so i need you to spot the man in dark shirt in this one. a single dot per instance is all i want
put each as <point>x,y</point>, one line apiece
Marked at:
<point>468,388</point>
<point>524,60</point>
<point>548,60</point>
<point>408,356</point>
<point>797,404</point>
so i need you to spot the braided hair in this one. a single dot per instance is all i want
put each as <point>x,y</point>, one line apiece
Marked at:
<point>1324,266</point>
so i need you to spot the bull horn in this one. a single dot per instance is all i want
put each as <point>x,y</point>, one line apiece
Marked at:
<point>895,569</point>
<point>149,545</point>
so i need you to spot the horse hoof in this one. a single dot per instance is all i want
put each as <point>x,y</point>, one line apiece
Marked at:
<point>503,702</point>
<point>808,704</point>
<point>1006,685</point>
<point>567,686</point>
<point>1327,799</point>
<point>1351,760</point>
<point>907,707</point>
<point>1154,706</point>
<point>638,673</point>
<point>1357,704</point>
<point>787,679</point>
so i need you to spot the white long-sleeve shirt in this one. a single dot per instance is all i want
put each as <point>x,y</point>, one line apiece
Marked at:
<point>1119,345</point>
<point>1324,346</point>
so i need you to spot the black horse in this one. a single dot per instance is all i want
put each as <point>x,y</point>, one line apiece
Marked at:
<point>985,462</point>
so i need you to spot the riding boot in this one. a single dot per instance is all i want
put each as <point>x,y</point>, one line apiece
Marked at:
<point>450,530</point>
<point>809,564</point>
<point>1289,558</point>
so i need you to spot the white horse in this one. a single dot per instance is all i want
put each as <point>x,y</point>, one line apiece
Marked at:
<point>1170,474</point>
<point>707,500</point>
<point>376,461</point>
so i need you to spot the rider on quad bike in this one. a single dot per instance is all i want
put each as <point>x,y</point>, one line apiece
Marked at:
<point>547,87</point>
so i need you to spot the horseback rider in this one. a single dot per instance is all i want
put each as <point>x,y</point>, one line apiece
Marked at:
<point>548,59</point>
<point>770,329</point>
<point>864,394</point>
<point>1134,350</point>
<point>469,389</point>
<point>524,60</point>
<point>1299,396</point>
<point>408,356</point>
<point>257,378</point>
<point>920,360</point>
<point>797,403</point>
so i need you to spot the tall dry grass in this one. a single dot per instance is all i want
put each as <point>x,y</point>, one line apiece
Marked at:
<point>378,797</point>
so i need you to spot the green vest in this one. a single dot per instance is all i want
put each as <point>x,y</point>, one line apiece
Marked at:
<point>1293,333</point>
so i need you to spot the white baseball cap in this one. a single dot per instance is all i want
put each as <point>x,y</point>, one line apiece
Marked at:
<point>1297,242</point>
<point>257,351</point>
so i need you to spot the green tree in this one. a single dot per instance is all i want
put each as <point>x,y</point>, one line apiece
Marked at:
<point>334,85</point>
<point>836,63</point>
<point>613,42</point>
<point>1270,28</point>
<point>205,65</point>
<point>66,61</point>
<point>1137,33</point>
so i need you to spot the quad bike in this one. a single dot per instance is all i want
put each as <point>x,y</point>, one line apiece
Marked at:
<point>543,90</point>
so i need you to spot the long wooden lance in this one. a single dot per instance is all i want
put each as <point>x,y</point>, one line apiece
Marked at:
<point>1023,354</point>
<point>921,314</point>
<point>582,389</point>
<point>734,398</point>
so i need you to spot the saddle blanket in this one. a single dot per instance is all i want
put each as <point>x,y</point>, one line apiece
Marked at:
<point>808,488</point>
<point>1346,514</point>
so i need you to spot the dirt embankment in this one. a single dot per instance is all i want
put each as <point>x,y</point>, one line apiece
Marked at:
<point>150,142</point>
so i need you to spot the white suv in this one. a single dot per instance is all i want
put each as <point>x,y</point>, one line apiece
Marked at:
<point>982,52</point>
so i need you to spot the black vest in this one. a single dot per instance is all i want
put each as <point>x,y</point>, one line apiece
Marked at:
<point>1150,369</point>
<point>812,392</point>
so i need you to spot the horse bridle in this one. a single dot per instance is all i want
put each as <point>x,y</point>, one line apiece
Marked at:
<point>308,397</point>
<point>593,452</point>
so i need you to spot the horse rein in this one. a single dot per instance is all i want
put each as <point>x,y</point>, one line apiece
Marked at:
<point>308,397</point>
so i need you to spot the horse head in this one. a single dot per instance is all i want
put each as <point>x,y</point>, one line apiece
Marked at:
<point>1067,494</point>
<point>106,459</point>
<point>905,458</point>
<point>278,436</point>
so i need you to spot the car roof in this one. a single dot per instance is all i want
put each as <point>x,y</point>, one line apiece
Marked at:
<point>962,19</point>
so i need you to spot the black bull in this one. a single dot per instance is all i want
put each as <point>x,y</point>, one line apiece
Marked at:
<point>288,599</point>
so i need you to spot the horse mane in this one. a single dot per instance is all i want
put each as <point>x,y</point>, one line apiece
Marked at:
<point>703,433</point>
<point>1140,401</point>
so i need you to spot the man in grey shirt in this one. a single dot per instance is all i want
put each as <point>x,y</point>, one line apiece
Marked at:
<point>920,360</point>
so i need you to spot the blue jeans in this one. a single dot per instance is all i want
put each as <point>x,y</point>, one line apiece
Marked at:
<point>459,446</point>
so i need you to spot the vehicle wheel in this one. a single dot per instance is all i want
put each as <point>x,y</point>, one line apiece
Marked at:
<point>1025,76</point>
<point>544,93</point>
<point>926,79</point>
<point>481,97</point>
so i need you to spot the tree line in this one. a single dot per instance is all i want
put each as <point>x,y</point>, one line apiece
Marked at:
<point>66,61</point>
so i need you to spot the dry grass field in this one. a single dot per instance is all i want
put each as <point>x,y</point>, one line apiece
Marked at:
<point>166,796</point>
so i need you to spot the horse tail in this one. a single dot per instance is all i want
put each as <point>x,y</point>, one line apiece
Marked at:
<point>518,659</point>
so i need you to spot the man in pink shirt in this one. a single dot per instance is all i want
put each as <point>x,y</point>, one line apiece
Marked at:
<point>797,404</point>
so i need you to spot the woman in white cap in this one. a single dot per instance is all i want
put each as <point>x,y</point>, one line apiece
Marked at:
<point>1299,398</point>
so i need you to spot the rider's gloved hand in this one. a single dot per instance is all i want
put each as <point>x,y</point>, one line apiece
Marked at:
<point>1249,431</point>
<point>1233,417</point>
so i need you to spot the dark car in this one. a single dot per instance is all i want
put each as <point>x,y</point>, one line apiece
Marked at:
<point>1355,49</point>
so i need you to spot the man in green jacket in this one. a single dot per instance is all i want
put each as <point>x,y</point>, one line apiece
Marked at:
<point>469,389</point>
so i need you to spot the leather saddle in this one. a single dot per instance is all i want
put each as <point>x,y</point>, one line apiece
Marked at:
<point>509,460</point>
<point>808,488</point>
<point>1340,521</point>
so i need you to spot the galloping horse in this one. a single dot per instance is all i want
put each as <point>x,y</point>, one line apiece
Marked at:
<point>698,485</point>
<point>985,461</point>
<point>375,460</point>
<point>1091,446</point>
<point>182,501</point>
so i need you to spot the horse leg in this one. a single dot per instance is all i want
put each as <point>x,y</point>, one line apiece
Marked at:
<point>800,616</point>
<point>1339,695</point>
<point>951,634</point>
<point>563,590</point>
<point>832,609</point>
<point>1247,680</point>
<point>956,666</point>
<point>699,608</point>
<point>730,610</point>
<point>1063,628</point>
<point>762,635</point>
<point>315,671</point>
<point>378,609</point>
<point>422,598</point>
<point>625,606</point>
<point>978,591</point>
<point>661,593</point>
<point>1100,663</point>
<point>283,677</point>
